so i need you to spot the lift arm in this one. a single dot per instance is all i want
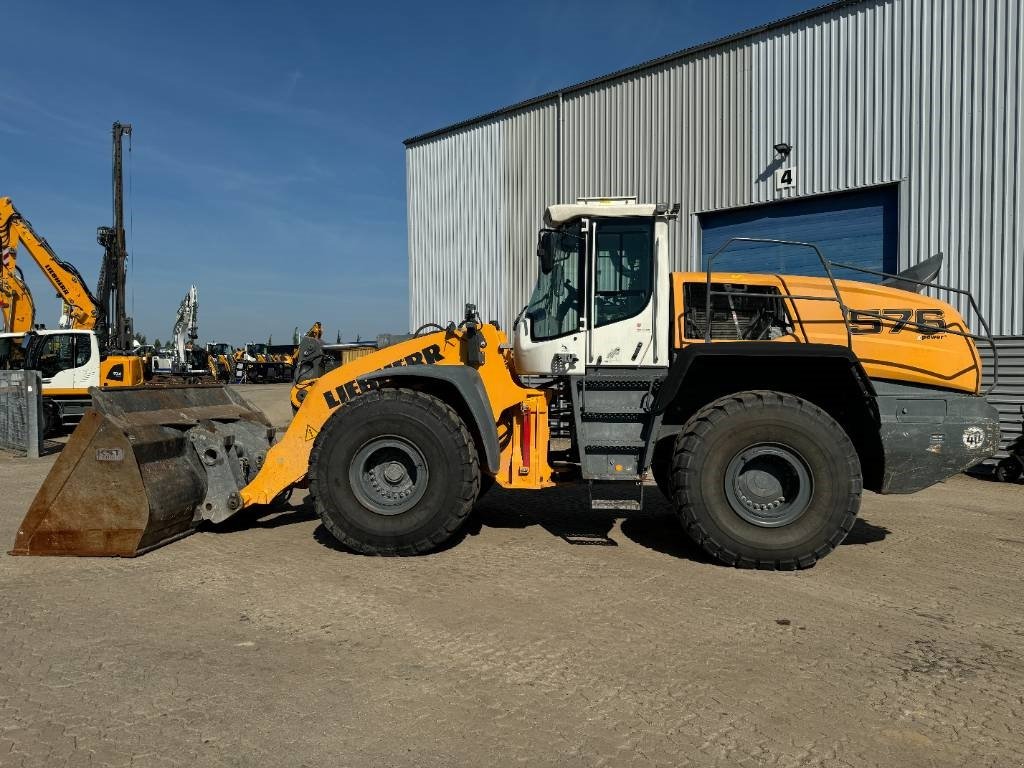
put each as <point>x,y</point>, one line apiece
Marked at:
<point>15,230</point>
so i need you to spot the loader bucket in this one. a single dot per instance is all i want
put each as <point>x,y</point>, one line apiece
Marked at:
<point>144,467</point>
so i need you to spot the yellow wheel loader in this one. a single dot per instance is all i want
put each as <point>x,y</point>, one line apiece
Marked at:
<point>762,405</point>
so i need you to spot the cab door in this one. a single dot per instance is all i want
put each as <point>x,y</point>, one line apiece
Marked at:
<point>56,361</point>
<point>552,336</point>
<point>87,361</point>
<point>623,298</point>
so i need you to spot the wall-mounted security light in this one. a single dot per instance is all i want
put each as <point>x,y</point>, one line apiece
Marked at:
<point>783,149</point>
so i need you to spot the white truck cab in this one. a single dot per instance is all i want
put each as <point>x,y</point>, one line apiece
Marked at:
<point>69,363</point>
<point>66,359</point>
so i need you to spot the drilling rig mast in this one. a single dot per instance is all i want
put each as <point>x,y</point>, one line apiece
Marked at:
<point>115,327</point>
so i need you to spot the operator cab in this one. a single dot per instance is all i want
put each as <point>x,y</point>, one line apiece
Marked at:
<point>13,347</point>
<point>601,297</point>
<point>65,359</point>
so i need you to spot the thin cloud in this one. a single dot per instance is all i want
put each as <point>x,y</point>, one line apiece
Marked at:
<point>293,80</point>
<point>12,130</point>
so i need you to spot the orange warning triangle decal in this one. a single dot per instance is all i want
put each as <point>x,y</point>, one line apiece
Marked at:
<point>311,433</point>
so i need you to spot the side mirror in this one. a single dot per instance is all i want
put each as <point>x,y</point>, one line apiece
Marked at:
<point>545,252</point>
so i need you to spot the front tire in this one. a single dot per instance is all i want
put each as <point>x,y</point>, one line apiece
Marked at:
<point>767,480</point>
<point>394,472</point>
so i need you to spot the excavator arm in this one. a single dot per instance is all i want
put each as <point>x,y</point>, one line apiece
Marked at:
<point>15,230</point>
<point>16,305</point>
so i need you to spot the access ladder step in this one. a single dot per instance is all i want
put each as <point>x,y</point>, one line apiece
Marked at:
<point>619,415</point>
<point>624,505</point>
<point>616,496</point>
<point>595,384</point>
<point>625,446</point>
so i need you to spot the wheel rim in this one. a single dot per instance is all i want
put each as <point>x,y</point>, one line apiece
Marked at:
<point>389,475</point>
<point>769,485</point>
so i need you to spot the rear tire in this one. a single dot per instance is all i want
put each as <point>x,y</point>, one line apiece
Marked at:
<point>766,480</point>
<point>394,472</point>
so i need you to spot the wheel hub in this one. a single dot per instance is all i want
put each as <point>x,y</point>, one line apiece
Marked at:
<point>768,485</point>
<point>389,475</point>
<point>395,472</point>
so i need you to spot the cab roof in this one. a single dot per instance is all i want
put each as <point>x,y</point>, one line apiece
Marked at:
<point>556,215</point>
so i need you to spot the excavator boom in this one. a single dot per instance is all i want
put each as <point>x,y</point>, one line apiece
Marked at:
<point>15,230</point>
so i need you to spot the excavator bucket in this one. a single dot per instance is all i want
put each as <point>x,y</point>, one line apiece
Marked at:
<point>144,468</point>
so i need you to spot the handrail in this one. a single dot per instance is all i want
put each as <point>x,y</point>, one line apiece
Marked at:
<point>824,263</point>
<point>987,337</point>
<point>828,265</point>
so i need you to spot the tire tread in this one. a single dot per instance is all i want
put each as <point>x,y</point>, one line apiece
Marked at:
<point>453,425</point>
<point>688,445</point>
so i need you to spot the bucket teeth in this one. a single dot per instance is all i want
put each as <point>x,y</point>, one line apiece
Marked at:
<point>144,468</point>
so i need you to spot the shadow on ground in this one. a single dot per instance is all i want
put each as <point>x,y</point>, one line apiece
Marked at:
<point>562,512</point>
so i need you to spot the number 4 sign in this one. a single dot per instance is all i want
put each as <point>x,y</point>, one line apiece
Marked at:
<point>785,178</point>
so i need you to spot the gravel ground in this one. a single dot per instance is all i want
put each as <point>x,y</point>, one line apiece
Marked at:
<point>262,643</point>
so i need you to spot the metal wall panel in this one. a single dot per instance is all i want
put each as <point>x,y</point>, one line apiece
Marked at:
<point>1008,396</point>
<point>676,133</point>
<point>926,93</point>
<point>530,154</point>
<point>456,230</point>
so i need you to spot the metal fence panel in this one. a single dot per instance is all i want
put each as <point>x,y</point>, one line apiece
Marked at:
<point>21,410</point>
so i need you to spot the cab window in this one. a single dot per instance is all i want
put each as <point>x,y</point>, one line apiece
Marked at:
<point>12,354</point>
<point>624,269</point>
<point>555,307</point>
<point>83,350</point>
<point>56,354</point>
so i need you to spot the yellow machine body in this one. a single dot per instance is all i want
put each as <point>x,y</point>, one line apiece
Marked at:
<point>896,335</point>
<point>511,405</point>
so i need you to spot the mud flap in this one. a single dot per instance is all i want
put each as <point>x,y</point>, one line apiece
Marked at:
<point>144,467</point>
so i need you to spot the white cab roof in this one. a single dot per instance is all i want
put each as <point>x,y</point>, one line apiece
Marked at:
<point>559,214</point>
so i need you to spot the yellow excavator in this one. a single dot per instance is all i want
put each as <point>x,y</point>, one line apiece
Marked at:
<point>761,404</point>
<point>93,348</point>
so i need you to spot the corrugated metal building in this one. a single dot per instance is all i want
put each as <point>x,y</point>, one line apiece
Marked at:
<point>904,118</point>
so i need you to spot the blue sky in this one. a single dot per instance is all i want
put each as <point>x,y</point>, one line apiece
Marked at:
<point>267,163</point>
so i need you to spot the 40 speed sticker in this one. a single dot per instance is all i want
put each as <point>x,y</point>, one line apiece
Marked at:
<point>974,437</point>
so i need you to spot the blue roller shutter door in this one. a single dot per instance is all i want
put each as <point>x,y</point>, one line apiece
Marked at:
<point>859,228</point>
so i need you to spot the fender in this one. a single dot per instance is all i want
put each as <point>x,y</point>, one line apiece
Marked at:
<point>771,350</point>
<point>470,386</point>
